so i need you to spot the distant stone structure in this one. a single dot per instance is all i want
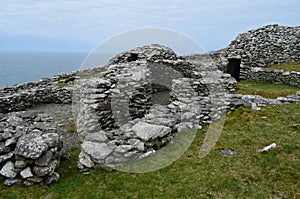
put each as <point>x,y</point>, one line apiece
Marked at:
<point>268,45</point>
<point>44,91</point>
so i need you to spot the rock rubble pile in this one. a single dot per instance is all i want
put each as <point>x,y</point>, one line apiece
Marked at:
<point>30,148</point>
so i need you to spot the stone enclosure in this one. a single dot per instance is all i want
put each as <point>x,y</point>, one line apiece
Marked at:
<point>137,104</point>
<point>247,56</point>
<point>118,119</point>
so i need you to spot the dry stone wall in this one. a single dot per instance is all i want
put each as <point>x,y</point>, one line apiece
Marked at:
<point>150,53</point>
<point>44,91</point>
<point>30,148</point>
<point>258,74</point>
<point>117,119</point>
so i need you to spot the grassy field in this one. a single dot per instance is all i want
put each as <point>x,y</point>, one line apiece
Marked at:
<point>264,89</point>
<point>287,66</point>
<point>275,174</point>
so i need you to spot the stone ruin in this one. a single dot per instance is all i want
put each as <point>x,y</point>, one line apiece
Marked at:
<point>30,148</point>
<point>117,117</point>
<point>119,120</point>
<point>134,106</point>
<point>247,56</point>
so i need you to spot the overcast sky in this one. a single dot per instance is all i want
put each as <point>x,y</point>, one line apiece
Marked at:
<point>80,25</point>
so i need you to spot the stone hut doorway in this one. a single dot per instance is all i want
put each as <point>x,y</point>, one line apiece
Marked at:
<point>234,68</point>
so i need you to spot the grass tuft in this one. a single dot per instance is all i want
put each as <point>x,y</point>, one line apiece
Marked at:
<point>65,84</point>
<point>286,66</point>
<point>265,89</point>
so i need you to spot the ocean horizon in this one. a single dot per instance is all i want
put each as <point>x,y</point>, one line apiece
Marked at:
<point>21,67</point>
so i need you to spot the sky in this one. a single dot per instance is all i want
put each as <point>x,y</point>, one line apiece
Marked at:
<point>81,25</point>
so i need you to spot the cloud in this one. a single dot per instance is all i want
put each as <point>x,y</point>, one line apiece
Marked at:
<point>94,20</point>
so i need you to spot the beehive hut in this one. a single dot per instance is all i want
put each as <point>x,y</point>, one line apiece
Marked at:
<point>268,45</point>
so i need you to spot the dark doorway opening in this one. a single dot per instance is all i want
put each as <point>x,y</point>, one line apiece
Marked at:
<point>132,57</point>
<point>234,68</point>
<point>160,94</point>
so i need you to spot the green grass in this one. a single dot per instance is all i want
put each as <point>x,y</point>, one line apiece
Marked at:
<point>286,66</point>
<point>275,174</point>
<point>265,89</point>
<point>71,128</point>
<point>65,84</point>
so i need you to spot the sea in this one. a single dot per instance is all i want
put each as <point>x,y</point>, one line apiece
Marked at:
<point>21,67</point>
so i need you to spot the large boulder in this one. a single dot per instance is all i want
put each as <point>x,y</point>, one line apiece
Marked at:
<point>148,132</point>
<point>31,146</point>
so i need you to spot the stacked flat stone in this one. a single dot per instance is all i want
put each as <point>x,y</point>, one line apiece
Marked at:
<point>132,127</point>
<point>44,91</point>
<point>259,74</point>
<point>268,45</point>
<point>238,100</point>
<point>262,47</point>
<point>150,53</point>
<point>30,148</point>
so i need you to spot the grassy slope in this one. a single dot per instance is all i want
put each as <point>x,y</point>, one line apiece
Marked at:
<point>264,89</point>
<point>286,66</point>
<point>251,175</point>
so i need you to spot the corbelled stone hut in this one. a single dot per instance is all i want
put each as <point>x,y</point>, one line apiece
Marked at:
<point>268,45</point>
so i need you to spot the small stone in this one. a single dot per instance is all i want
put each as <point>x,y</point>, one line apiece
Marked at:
<point>228,152</point>
<point>183,126</point>
<point>53,177</point>
<point>148,154</point>
<point>10,182</point>
<point>42,171</point>
<point>3,149</point>
<point>109,160</point>
<point>8,170</point>
<point>123,148</point>
<point>45,159</point>
<point>85,160</point>
<point>26,173</point>
<point>10,141</point>
<point>5,157</point>
<point>27,183</point>
<point>139,145</point>
<point>34,179</point>
<point>96,137</point>
<point>65,155</point>
<point>6,134</point>
<point>52,139</point>
<point>20,164</point>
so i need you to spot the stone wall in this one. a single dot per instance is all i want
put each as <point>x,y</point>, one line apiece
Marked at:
<point>44,91</point>
<point>30,148</point>
<point>274,76</point>
<point>117,119</point>
<point>265,46</point>
<point>150,53</point>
